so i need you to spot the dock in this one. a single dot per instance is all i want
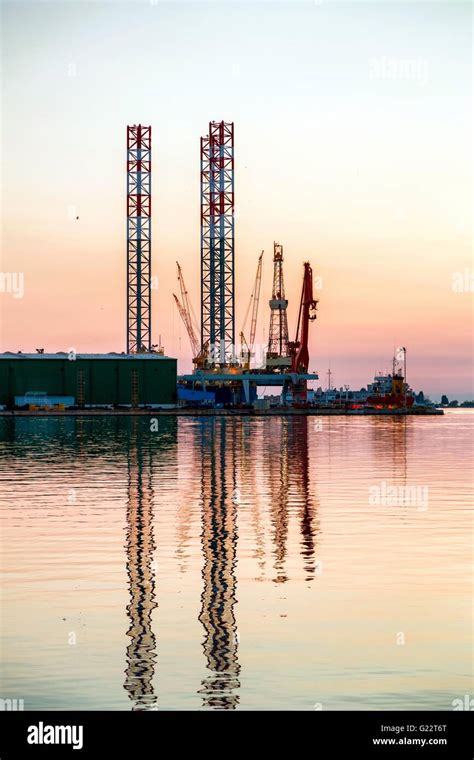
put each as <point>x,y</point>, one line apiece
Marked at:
<point>213,412</point>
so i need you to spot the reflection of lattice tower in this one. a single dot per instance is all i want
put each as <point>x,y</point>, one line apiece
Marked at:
<point>140,544</point>
<point>217,242</point>
<point>278,459</point>
<point>138,239</point>
<point>219,545</point>
<point>278,353</point>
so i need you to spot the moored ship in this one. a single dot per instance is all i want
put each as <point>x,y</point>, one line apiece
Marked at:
<point>391,391</point>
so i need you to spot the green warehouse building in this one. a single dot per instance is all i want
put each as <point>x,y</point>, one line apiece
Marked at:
<point>87,380</point>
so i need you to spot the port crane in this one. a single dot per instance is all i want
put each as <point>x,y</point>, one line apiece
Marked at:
<point>247,348</point>
<point>299,347</point>
<point>189,320</point>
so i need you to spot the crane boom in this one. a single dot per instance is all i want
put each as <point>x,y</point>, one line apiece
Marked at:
<point>200,353</point>
<point>186,303</point>
<point>256,298</point>
<point>247,348</point>
<point>185,316</point>
<point>299,347</point>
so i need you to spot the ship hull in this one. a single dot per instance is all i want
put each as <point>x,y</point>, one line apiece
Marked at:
<point>390,401</point>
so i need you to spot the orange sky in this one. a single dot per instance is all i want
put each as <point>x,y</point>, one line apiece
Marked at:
<point>352,144</point>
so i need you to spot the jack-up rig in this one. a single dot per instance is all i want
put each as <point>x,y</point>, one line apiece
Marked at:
<point>222,373</point>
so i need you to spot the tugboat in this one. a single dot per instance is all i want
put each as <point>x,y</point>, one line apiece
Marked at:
<point>390,391</point>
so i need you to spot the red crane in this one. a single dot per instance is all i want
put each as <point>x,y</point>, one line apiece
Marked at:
<point>307,313</point>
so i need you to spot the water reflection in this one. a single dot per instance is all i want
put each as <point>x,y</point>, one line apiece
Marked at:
<point>248,448</point>
<point>252,473</point>
<point>87,504</point>
<point>228,462</point>
<point>300,464</point>
<point>219,545</point>
<point>140,546</point>
<point>290,487</point>
<point>390,438</point>
<point>279,470</point>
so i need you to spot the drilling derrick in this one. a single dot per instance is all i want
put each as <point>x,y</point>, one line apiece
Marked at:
<point>278,354</point>
<point>138,239</point>
<point>217,243</point>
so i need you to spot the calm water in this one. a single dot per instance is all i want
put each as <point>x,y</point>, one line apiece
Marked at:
<point>236,563</point>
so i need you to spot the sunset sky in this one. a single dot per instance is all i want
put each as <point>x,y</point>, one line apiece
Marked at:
<point>353,148</point>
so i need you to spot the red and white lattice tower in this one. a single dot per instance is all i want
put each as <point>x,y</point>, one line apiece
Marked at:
<point>217,243</point>
<point>138,239</point>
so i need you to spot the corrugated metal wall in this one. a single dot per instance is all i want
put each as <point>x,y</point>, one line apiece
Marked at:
<point>98,381</point>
